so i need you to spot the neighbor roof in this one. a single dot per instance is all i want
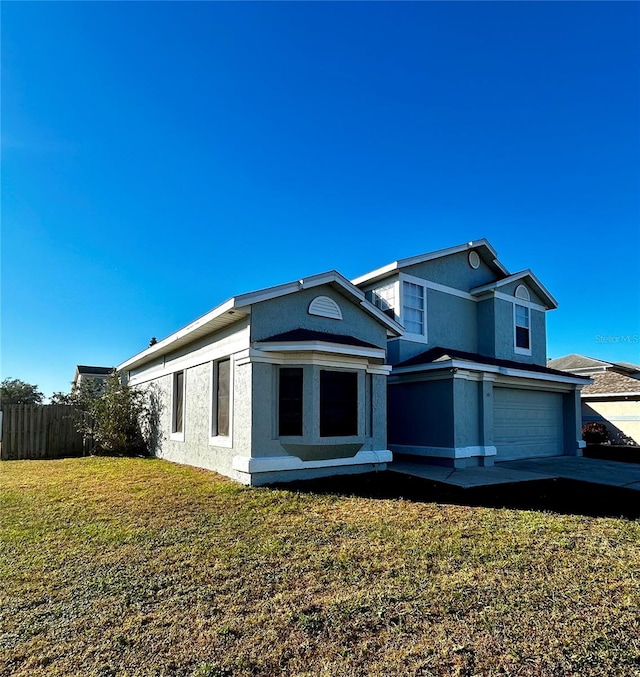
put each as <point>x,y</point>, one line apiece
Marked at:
<point>83,369</point>
<point>576,362</point>
<point>486,252</point>
<point>610,383</point>
<point>238,307</point>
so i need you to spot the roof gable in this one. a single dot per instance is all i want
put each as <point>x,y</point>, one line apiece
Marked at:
<point>486,252</point>
<point>239,307</point>
<point>525,276</point>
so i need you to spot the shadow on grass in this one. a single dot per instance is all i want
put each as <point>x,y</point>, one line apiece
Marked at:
<point>562,496</point>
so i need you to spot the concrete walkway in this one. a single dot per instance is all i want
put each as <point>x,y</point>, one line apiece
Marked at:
<point>595,471</point>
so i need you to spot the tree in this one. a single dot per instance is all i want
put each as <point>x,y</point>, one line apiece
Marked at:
<point>15,391</point>
<point>120,419</point>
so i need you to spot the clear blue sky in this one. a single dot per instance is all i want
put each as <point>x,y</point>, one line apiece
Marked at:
<point>158,158</point>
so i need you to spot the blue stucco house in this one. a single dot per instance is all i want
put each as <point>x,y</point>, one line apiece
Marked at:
<point>469,384</point>
<point>439,357</point>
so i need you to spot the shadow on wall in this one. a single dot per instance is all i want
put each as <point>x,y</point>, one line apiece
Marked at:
<point>561,496</point>
<point>616,434</point>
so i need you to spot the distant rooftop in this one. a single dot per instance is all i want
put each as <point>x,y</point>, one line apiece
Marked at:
<point>84,369</point>
<point>611,383</point>
<point>582,363</point>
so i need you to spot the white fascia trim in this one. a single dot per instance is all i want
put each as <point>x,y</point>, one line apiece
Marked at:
<point>444,452</point>
<point>240,307</point>
<point>490,368</point>
<point>394,328</point>
<point>541,289</point>
<point>260,464</point>
<point>336,360</point>
<point>321,347</point>
<point>225,348</point>
<point>437,287</point>
<point>599,395</point>
<point>421,258</point>
<point>168,344</point>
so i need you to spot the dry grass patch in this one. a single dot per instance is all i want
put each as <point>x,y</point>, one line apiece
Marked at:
<point>139,567</point>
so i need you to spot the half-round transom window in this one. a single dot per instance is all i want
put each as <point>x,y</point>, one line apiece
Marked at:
<point>325,307</point>
<point>474,260</point>
<point>522,293</point>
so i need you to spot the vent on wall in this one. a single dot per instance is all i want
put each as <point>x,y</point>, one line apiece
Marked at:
<point>325,307</point>
<point>522,293</point>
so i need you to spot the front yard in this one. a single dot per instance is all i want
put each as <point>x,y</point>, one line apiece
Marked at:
<point>139,567</point>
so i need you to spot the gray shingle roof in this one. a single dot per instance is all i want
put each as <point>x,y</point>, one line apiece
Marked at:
<point>609,382</point>
<point>569,362</point>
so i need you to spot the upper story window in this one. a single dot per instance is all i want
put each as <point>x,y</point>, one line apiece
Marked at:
<point>384,298</point>
<point>413,310</point>
<point>522,321</point>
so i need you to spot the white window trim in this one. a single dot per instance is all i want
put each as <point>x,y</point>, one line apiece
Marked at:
<point>178,436</point>
<point>418,338</point>
<point>516,349</point>
<point>214,439</point>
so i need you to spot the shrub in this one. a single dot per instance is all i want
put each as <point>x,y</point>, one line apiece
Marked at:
<point>595,433</point>
<point>118,418</point>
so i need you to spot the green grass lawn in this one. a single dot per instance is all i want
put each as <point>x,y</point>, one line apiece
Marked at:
<point>140,567</point>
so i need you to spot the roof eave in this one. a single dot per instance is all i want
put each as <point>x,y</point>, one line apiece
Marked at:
<point>490,257</point>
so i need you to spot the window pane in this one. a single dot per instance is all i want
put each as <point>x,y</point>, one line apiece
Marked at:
<point>222,397</point>
<point>290,401</point>
<point>385,299</point>
<point>413,307</point>
<point>178,401</point>
<point>522,316</point>
<point>338,403</point>
<point>522,327</point>
<point>522,337</point>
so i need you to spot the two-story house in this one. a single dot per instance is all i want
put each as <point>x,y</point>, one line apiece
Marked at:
<point>469,384</point>
<point>441,356</point>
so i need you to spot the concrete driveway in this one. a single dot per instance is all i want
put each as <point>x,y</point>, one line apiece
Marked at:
<point>595,471</point>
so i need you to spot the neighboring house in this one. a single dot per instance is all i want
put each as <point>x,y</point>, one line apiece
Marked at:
<point>614,396</point>
<point>84,373</point>
<point>284,383</point>
<point>469,384</point>
<point>292,381</point>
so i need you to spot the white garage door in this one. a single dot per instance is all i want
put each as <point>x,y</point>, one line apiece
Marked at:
<point>527,423</point>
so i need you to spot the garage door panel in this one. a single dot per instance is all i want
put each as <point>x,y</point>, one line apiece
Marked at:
<point>527,423</point>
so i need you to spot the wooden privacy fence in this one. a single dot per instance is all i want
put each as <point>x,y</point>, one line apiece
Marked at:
<point>41,431</point>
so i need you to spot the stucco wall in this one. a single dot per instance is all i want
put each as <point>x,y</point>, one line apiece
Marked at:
<point>504,334</point>
<point>453,271</point>
<point>196,448</point>
<point>510,289</point>
<point>283,314</point>
<point>451,322</point>
<point>421,413</point>
<point>467,413</point>
<point>486,327</point>
<point>622,417</point>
